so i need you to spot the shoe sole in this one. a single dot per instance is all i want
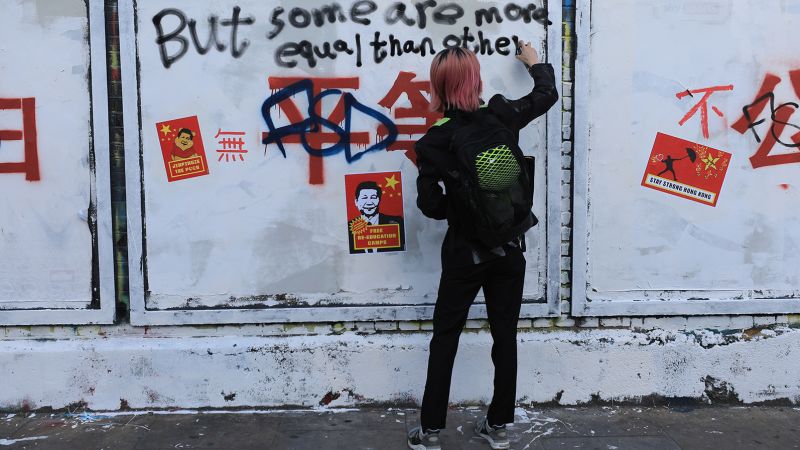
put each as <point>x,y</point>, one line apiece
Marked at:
<point>492,443</point>
<point>421,447</point>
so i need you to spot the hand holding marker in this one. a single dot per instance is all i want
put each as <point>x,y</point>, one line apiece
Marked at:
<point>526,53</point>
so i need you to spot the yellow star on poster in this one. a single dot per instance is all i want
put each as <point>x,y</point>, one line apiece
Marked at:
<point>165,129</point>
<point>391,182</point>
<point>710,161</point>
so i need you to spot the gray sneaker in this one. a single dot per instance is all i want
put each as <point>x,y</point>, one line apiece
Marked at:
<point>497,437</point>
<point>419,440</point>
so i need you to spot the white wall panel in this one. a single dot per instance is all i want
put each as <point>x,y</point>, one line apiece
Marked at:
<point>55,238</point>
<point>636,62</point>
<point>269,232</point>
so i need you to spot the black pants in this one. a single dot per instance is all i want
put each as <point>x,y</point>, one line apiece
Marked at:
<point>502,280</point>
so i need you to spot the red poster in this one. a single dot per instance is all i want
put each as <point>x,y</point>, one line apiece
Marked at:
<point>182,148</point>
<point>686,169</point>
<point>375,212</point>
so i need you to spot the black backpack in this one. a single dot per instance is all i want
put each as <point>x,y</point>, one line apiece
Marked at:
<point>493,182</point>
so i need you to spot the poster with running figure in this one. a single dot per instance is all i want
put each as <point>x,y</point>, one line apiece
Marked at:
<point>686,169</point>
<point>375,212</point>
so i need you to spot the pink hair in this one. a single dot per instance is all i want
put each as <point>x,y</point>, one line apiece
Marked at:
<point>455,80</point>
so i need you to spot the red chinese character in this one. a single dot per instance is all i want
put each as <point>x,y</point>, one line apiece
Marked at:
<point>702,105</point>
<point>779,115</point>
<point>231,147</point>
<point>420,109</point>
<point>30,166</point>
<point>317,139</point>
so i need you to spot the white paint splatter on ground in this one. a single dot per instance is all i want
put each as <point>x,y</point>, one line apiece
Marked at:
<point>547,432</point>
<point>14,441</point>
<point>521,416</point>
<point>537,425</point>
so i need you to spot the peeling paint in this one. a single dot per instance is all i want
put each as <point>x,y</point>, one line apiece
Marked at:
<point>566,367</point>
<point>718,391</point>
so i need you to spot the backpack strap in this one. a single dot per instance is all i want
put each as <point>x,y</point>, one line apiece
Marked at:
<point>441,122</point>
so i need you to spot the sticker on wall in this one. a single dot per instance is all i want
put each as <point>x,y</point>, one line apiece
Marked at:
<point>182,148</point>
<point>686,169</point>
<point>375,212</point>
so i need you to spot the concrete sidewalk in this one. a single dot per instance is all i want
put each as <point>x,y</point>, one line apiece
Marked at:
<point>607,428</point>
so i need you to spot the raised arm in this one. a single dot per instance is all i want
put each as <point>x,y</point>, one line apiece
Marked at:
<point>544,95</point>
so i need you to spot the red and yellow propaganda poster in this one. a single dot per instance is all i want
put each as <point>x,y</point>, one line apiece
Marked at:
<point>686,169</point>
<point>182,148</point>
<point>375,212</point>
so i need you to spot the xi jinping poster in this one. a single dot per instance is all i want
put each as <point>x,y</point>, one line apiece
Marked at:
<point>182,148</point>
<point>375,212</point>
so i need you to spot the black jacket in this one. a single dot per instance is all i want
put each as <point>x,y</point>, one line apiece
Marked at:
<point>435,158</point>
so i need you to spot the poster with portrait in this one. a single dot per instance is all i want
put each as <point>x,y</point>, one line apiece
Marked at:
<point>182,148</point>
<point>375,212</point>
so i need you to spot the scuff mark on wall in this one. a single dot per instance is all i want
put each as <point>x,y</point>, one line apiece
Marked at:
<point>718,391</point>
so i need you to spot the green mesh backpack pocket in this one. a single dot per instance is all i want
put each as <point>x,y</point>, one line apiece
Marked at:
<point>497,168</point>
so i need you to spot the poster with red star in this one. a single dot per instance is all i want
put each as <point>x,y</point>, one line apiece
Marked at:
<point>375,212</point>
<point>686,169</point>
<point>182,148</point>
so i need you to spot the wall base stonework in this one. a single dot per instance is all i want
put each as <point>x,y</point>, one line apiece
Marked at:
<point>169,369</point>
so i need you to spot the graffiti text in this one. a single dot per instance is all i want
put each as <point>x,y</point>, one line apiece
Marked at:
<point>779,117</point>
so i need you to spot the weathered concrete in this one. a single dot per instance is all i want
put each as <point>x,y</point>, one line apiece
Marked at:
<point>568,367</point>
<point>630,428</point>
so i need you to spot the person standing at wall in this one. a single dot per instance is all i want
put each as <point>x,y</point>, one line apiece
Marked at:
<point>471,260</point>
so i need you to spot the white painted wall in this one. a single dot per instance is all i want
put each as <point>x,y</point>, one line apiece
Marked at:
<point>166,369</point>
<point>45,241</point>
<point>634,243</point>
<point>257,228</point>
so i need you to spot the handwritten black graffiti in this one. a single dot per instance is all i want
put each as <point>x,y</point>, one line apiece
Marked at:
<point>778,118</point>
<point>483,46</point>
<point>417,14</point>
<point>313,52</point>
<point>314,123</point>
<point>512,12</point>
<point>327,14</point>
<point>383,47</point>
<point>414,14</point>
<point>176,35</point>
<point>396,47</point>
<point>778,113</point>
<point>446,14</point>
